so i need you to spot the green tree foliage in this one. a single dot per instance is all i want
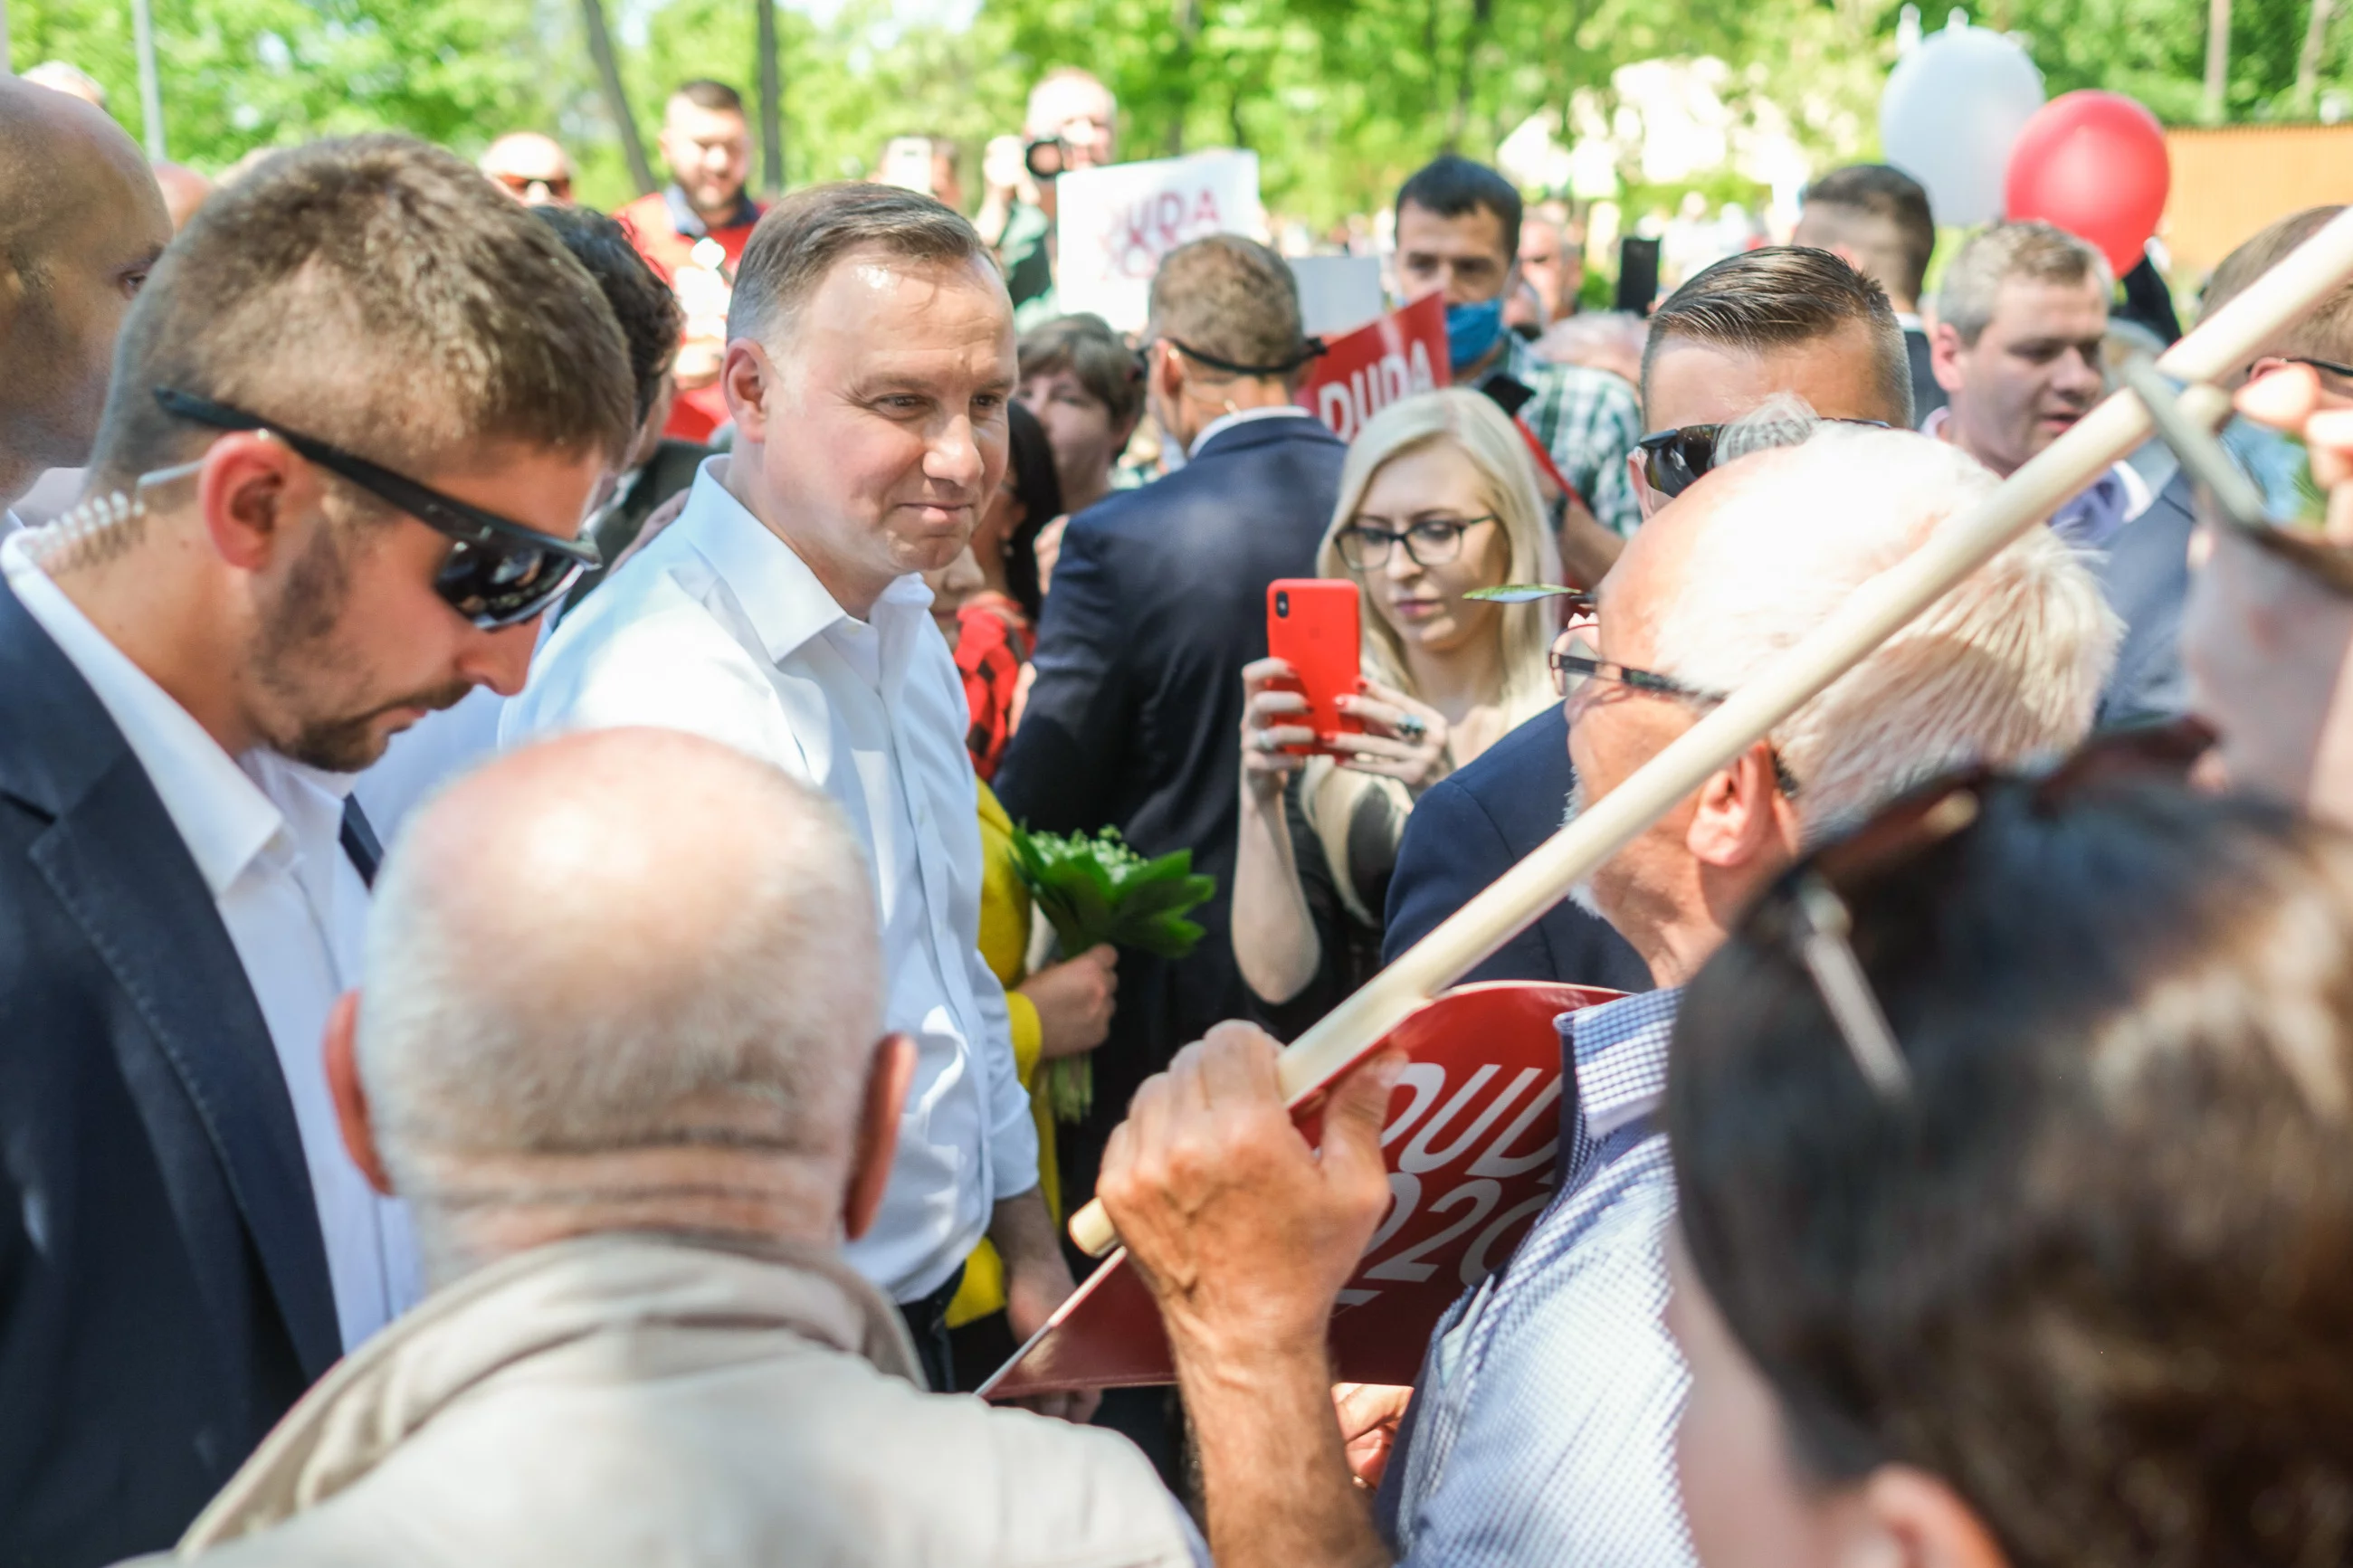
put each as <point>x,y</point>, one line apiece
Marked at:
<point>1339,98</point>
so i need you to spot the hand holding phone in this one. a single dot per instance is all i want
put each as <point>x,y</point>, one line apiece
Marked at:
<point>1315,626</point>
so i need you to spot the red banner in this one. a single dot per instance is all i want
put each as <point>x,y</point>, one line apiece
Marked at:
<point>1472,1141</point>
<point>1358,376</point>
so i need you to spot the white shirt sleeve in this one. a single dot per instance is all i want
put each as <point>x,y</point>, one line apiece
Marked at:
<point>1012,1134</point>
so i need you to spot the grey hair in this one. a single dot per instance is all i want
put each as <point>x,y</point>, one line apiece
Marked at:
<point>2006,668</point>
<point>2036,250</point>
<point>802,237</point>
<point>728,996</point>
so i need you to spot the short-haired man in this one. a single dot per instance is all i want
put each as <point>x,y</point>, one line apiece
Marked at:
<point>1876,218</point>
<point>533,169</point>
<point>1072,122</point>
<point>1458,236</point>
<point>285,556</point>
<point>1777,321</point>
<point>694,231</point>
<point>632,1146</point>
<point>2022,318</point>
<point>1552,262</point>
<point>2146,569</point>
<point>869,365</point>
<point>80,223</point>
<point>1159,600</point>
<point>1543,1430</point>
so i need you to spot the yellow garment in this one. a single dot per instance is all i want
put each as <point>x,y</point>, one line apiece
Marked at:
<point>1005,948</point>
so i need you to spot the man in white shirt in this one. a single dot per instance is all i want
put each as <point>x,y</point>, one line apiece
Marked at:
<point>869,362</point>
<point>336,482</point>
<point>80,223</point>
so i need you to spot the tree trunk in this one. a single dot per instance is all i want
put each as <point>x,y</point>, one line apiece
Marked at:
<point>2218,59</point>
<point>2308,62</point>
<point>772,104</point>
<point>617,98</point>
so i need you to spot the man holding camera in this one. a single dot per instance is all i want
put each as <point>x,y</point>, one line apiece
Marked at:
<point>1073,123</point>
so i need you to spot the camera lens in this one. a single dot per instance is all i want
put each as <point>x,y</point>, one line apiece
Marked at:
<point>1281,605</point>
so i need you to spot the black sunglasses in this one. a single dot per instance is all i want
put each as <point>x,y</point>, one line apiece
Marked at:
<point>1672,460</point>
<point>499,571</point>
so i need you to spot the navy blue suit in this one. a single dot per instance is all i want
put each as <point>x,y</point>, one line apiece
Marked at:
<point>1157,602</point>
<point>2145,573</point>
<point>1469,829</point>
<point>164,1290</point>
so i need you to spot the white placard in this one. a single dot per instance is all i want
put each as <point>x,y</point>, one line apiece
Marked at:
<point>1114,225</point>
<point>1337,294</point>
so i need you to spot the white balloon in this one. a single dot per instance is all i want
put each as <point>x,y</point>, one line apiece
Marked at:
<point>1951,112</point>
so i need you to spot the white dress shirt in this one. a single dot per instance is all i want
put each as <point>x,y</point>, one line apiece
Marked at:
<point>266,835</point>
<point>720,629</point>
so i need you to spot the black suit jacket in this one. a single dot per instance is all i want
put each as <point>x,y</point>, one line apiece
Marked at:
<point>164,1290</point>
<point>1157,602</point>
<point>1469,829</point>
<point>1926,396</point>
<point>2145,573</point>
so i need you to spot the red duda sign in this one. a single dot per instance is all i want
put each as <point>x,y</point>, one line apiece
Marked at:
<point>1472,1137</point>
<point>1358,376</point>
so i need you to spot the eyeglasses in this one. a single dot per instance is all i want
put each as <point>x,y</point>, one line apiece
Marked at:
<point>1673,460</point>
<point>1808,908</point>
<point>1576,665</point>
<point>556,185</point>
<point>499,572</point>
<point>1429,542</point>
<point>2331,367</point>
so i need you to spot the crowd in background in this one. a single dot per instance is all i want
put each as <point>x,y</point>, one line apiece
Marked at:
<point>522,1034</point>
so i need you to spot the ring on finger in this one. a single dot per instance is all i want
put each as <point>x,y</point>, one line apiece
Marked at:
<point>1411,728</point>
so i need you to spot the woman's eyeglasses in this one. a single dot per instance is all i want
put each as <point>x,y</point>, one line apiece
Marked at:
<point>1673,460</point>
<point>499,571</point>
<point>1430,541</point>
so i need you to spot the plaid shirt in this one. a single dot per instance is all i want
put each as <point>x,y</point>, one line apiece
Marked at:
<point>1589,420</point>
<point>1546,1410</point>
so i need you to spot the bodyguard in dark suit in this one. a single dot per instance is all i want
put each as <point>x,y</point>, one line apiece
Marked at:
<point>1157,602</point>
<point>2145,573</point>
<point>261,595</point>
<point>1473,826</point>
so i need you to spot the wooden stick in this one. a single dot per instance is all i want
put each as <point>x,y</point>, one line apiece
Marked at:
<point>1868,617</point>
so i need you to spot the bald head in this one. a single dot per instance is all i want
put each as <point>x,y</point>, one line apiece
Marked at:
<point>82,221</point>
<point>530,167</point>
<point>710,1028</point>
<point>183,189</point>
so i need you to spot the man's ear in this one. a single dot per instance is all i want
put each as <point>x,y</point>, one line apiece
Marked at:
<point>250,487</point>
<point>1944,352</point>
<point>877,1146</point>
<point>1645,497</point>
<point>345,1089</point>
<point>748,379</point>
<point>1167,369</point>
<point>1910,1519</point>
<point>1743,820</point>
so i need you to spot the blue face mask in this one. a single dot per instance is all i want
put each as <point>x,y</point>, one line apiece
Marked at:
<point>1472,330</point>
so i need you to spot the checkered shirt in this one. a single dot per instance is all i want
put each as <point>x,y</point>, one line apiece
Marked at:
<point>1589,420</point>
<point>1550,1395</point>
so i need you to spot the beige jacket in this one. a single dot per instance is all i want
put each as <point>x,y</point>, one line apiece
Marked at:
<point>640,1400</point>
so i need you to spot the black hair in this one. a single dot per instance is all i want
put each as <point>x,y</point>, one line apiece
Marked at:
<point>1031,471</point>
<point>1452,186</point>
<point>2094,1269</point>
<point>648,313</point>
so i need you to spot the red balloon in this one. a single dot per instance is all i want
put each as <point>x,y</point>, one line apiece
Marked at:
<point>2094,164</point>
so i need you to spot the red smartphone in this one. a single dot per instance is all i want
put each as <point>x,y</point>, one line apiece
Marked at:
<point>1313,623</point>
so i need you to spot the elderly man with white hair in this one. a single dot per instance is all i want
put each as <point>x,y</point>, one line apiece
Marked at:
<point>632,1152</point>
<point>1542,1427</point>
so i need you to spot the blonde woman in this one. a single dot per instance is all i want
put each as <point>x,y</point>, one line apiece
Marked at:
<point>1438,497</point>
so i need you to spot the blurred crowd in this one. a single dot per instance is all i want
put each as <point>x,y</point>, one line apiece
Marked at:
<point>526,1031</point>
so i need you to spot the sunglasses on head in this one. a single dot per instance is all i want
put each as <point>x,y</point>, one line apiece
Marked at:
<point>499,571</point>
<point>1808,908</point>
<point>1672,460</point>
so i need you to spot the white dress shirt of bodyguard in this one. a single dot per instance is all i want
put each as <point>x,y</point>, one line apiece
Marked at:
<point>719,629</point>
